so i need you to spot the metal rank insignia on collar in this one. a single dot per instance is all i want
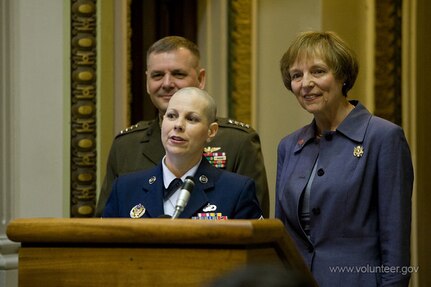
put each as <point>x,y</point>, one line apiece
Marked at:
<point>358,151</point>
<point>137,211</point>
<point>217,159</point>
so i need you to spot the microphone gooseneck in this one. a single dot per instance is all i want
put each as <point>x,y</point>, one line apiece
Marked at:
<point>183,198</point>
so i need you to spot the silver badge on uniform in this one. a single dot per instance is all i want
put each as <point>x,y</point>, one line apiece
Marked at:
<point>137,211</point>
<point>152,180</point>
<point>203,179</point>
<point>209,208</point>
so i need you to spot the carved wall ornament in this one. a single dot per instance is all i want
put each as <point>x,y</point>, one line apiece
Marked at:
<point>240,59</point>
<point>83,108</point>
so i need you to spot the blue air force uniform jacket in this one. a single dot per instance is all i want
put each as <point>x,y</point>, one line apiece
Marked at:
<point>139,147</point>
<point>227,193</point>
<point>360,200</point>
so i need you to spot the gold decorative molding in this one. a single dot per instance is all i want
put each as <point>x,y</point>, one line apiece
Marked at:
<point>83,111</point>
<point>387,87</point>
<point>240,59</point>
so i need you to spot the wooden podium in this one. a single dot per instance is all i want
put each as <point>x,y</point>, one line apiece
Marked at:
<point>145,252</point>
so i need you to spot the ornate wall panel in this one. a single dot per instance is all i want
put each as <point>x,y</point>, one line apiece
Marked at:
<point>240,59</point>
<point>387,87</point>
<point>83,112</point>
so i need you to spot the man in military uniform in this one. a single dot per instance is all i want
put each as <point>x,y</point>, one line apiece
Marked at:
<point>172,64</point>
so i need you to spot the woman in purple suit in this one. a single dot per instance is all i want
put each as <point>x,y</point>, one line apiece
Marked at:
<point>344,182</point>
<point>188,125</point>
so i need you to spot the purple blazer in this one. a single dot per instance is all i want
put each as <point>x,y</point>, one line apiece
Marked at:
<point>360,201</point>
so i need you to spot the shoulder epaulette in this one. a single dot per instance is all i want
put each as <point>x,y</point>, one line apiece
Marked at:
<point>140,126</point>
<point>233,123</point>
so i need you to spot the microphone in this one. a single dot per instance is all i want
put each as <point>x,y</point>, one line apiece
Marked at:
<point>183,198</point>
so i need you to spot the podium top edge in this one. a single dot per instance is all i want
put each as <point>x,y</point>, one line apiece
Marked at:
<point>150,230</point>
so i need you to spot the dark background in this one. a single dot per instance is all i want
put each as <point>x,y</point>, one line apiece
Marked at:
<point>150,21</point>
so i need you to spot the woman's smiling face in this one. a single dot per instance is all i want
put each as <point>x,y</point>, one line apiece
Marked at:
<point>314,84</point>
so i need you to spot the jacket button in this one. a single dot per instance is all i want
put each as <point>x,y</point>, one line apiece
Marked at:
<point>320,172</point>
<point>316,211</point>
<point>328,137</point>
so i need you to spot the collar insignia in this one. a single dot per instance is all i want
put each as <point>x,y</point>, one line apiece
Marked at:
<point>152,180</point>
<point>203,179</point>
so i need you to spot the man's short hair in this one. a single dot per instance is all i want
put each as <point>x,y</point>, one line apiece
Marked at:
<point>172,43</point>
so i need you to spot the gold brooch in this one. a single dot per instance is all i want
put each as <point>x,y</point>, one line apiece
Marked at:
<point>358,151</point>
